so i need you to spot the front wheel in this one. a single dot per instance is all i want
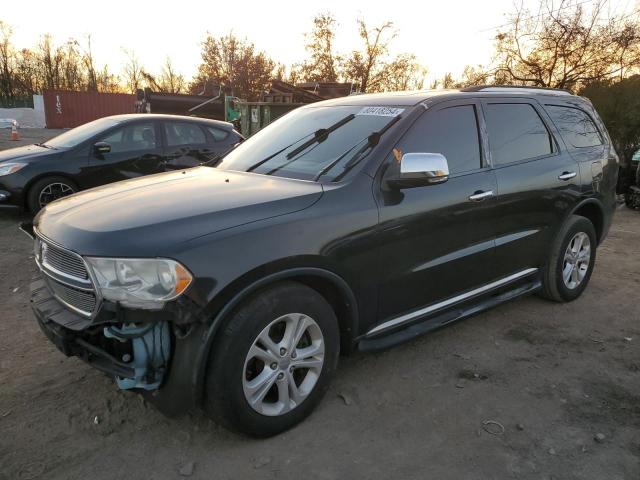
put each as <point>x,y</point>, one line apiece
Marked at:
<point>48,189</point>
<point>273,360</point>
<point>571,260</point>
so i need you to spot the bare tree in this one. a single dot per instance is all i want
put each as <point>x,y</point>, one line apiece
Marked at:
<point>50,61</point>
<point>6,61</point>
<point>373,69</point>
<point>171,81</point>
<point>133,72</point>
<point>567,46</point>
<point>365,67</point>
<point>92,76</point>
<point>107,82</point>
<point>323,64</point>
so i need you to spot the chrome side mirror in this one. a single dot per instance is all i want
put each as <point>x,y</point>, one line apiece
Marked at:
<point>420,169</point>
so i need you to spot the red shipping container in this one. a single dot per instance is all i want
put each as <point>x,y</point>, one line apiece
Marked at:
<point>68,109</point>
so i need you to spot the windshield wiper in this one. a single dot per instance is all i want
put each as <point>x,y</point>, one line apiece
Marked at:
<point>320,135</point>
<point>44,145</point>
<point>265,160</point>
<point>336,161</point>
<point>372,140</point>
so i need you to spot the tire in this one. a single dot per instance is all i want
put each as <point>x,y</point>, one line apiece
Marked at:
<point>232,371</point>
<point>554,285</point>
<point>60,186</point>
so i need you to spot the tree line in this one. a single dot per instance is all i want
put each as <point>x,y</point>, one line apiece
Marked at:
<point>227,60</point>
<point>565,45</point>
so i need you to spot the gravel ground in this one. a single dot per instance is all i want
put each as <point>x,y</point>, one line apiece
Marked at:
<point>520,392</point>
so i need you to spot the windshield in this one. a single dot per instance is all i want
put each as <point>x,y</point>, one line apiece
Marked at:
<point>79,134</point>
<point>309,143</point>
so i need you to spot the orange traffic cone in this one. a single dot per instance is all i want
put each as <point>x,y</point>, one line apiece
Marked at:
<point>14,131</point>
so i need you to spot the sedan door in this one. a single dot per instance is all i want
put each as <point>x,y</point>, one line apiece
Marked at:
<point>187,144</point>
<point>538,182</point>
<point>134,151</point>
<point>437,241</point>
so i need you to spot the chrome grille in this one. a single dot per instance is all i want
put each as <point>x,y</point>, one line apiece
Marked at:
<point>63,261</point>
<point>66,276</point>
<point>80,300</point>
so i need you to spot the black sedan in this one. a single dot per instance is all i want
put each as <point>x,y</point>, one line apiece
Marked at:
<point>108,150</point>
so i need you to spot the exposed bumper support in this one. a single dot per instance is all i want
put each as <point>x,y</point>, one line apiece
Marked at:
<point>164,376</point>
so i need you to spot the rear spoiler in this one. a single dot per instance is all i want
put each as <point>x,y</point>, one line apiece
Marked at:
<point>27,227</point>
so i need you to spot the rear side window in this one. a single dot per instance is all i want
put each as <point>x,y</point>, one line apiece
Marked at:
<point>218,134</point>
<point>131,138</point>
<point>575,126</point>
<point>183,133</point>
<point>452,132</point>
<point>516,132</point>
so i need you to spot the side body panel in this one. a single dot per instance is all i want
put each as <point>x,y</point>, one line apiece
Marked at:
<point>434,241</point>
<point>532,201</point>
<point>599,164</point>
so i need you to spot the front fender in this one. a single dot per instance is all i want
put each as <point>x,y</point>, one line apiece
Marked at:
<point>209,331</point>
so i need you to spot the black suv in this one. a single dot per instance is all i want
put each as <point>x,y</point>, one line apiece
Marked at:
<point>107,150</point>
<point>354,223</point>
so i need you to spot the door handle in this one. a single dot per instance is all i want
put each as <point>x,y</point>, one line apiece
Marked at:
<point>479,196</point>
<point>567,175</point>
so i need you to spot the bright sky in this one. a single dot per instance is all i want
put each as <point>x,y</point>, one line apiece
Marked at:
<point>445,35</point>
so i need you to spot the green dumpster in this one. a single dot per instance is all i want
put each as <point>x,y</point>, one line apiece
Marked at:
<point>257,115</point>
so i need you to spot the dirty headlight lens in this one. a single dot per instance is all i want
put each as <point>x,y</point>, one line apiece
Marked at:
<point>139,283</point>
<point>9,168</point>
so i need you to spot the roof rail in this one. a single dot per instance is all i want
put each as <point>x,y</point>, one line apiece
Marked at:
<point>515,89</point>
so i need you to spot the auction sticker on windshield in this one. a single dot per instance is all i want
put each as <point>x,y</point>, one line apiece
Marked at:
<point>381,111</point>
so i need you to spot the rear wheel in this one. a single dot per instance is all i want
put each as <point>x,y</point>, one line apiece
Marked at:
<point>48,189</point>
<point>273,361</point>
<point>571,261</point>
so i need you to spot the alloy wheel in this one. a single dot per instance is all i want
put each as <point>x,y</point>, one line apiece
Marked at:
<point>52,192</point>
<point>577,257</point>
<point>283,364</point>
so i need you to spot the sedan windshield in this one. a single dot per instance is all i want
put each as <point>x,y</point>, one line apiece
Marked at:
<point>310,143</point>
<point>79,134</point>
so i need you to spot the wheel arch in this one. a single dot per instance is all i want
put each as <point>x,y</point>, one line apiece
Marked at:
<point>593,210</point>
<point>334,289</point>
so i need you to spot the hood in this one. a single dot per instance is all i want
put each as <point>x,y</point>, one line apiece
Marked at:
<point>148,215</point>
<point>21,153</point>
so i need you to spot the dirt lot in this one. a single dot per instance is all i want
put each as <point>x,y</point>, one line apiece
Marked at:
<point>553,375</point>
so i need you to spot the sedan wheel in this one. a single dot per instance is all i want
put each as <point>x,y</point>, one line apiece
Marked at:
<point>52,192</point>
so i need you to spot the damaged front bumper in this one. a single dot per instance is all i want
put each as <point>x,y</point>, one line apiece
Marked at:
<point>141,354</point>
<point>136,355</point>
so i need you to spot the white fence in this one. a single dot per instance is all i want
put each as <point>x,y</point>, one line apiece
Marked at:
<point>26,117</point>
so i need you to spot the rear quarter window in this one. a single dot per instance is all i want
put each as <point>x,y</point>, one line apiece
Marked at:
<point>218,134</point>
<point>576,126</point>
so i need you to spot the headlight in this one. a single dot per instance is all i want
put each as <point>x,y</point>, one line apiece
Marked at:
<point>8,168</point>
<point>139,283</point>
